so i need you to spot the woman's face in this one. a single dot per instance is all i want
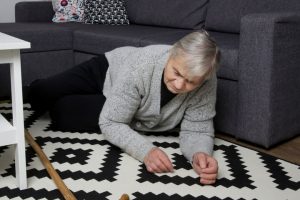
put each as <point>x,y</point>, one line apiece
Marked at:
<point>176,76</point>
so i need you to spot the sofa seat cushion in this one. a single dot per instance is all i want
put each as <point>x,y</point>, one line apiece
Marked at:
<point>42,36</point>
<point>97,39</point>
<point>229,47</point>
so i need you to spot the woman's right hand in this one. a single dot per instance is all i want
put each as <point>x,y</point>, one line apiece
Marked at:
<point>157,161</point>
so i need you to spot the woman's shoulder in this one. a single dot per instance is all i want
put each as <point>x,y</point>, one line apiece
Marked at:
<point>207,91</point>
<point>137,63</point>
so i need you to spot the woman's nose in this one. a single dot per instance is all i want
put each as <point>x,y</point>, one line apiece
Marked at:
<point>179,84</point>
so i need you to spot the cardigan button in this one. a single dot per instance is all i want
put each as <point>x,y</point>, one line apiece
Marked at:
<point>152,123</point>
<point>138,124</point>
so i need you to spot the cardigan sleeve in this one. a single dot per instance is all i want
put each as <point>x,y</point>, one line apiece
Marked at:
<point>117,114</point>
<point>197,130</point>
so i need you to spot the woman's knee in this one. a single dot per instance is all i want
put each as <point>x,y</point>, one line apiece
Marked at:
<point>36,95</point>
<point>76,113</point>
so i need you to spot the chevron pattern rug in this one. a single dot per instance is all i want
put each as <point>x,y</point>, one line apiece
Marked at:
<point>94,169</point>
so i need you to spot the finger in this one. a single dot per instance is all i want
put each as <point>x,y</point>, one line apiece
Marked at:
<point>160,166</point>
<point>196,163</point>
<point>212,167</point>
<point>164,164</point>
<point>150,160</point>
<point>202,160</point>
<point>158,161</point>
<point>168,166</point>
<point>149,169</point>
<point>207,182</point>
<point>150,166</point>
<point>208,176</point>
<point>165,167</point>
<point>196,167</point>
<point>156,165</point>
<point>210,170</point>
<point>154,168</point>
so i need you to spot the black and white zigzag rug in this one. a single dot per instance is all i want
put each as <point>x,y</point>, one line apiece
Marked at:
<point>94,169</point>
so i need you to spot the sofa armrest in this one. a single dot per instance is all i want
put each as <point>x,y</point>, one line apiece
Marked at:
<point>269,83</point>
<point>37,11</point>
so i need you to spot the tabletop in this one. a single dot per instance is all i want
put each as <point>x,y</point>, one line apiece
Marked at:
<point>8,42</point>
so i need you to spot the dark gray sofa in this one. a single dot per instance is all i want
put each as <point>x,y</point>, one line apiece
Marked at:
<point>258,79</point>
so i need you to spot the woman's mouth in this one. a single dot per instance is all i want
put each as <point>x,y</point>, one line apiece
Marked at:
<point>173,89</point>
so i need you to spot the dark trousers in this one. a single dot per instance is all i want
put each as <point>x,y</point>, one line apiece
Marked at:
<point>73,98</point>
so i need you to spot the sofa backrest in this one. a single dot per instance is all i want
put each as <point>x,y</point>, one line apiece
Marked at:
<point>225,15</point>
<point>35,11</point>
<point>188,14</point>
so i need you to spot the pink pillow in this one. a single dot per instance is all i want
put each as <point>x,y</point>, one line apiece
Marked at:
<point>68,10</point>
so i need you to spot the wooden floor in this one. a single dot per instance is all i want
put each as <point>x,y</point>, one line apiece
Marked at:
<point>289,151</point>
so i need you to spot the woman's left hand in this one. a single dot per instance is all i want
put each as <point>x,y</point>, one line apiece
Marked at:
<point>206,166</point>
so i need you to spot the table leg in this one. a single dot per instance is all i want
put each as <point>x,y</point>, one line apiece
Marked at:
<point>18,118</point>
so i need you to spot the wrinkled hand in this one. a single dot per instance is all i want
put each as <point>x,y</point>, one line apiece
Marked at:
<point>206,166</point>
<point>157,161</point>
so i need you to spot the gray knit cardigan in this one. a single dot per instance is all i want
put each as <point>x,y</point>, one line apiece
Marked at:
<point>132,88</point>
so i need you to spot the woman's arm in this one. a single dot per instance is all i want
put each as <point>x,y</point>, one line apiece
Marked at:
<point>197,131</point>
<point>117,114</point>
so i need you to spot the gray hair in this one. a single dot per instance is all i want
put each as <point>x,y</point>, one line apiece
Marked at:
<point>200,52</point>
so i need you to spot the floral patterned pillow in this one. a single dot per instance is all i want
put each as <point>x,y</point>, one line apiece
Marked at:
<point>68,10</point>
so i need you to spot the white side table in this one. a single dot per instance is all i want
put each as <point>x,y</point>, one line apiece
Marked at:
<point>14,134</point>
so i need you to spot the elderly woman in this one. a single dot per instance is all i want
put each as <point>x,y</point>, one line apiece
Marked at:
<point>142,89</point>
